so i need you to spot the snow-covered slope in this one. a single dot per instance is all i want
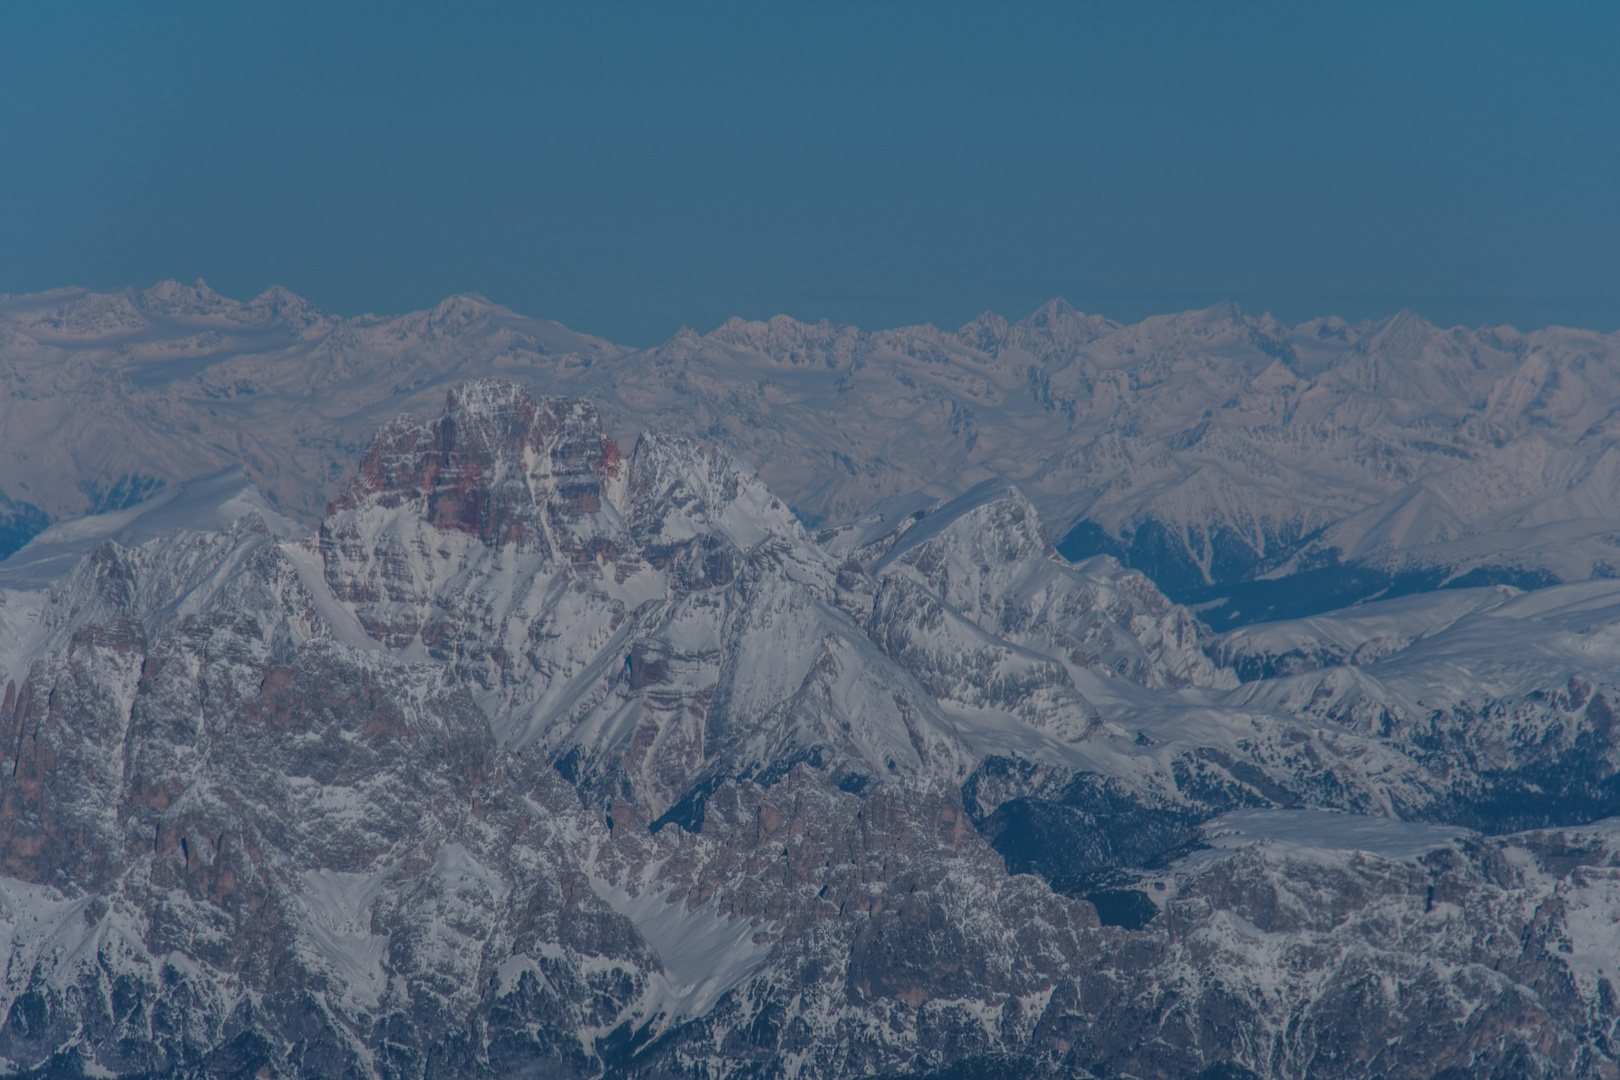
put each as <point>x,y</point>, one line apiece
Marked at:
<point>1209,449</point>
<point>1204,447</point>
<point>540,756</point>
<point>1514,692</point>
<point>107,397</point>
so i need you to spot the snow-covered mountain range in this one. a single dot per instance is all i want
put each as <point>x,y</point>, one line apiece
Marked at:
<point>545,751</point>
<point>1254,469</point>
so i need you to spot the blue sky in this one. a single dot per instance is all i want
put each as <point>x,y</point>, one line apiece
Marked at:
<point>629,168</point>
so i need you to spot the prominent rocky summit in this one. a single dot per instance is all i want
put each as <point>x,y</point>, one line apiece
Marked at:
<point>543,757</point>
<point>1282,470</point>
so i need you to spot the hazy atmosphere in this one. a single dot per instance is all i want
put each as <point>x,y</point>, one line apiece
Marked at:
<point>629,168</point>
<point>809,542</point>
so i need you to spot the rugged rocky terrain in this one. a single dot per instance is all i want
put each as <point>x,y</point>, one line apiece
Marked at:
<point>1260,470</point>
<point>543,753</point>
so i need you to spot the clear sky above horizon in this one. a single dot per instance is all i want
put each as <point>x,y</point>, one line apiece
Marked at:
<point>630,168</point>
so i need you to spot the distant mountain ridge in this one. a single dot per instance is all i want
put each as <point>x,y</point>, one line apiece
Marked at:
<point>1255,469</point>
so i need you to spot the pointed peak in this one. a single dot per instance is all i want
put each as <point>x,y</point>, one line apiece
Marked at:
<point>940,519</point>
<point>1054,310</point>
<point>277,302</point>
<point>277,295</point>
<point>462,306</point>
<point>987,318</point>
<point>177,298</point>
<point>1057,325</point>
<point>685,342</point>
<point>1402,331</point>
<point>457,314</point>
<point>1227,311</point>
<point>985,333</point>
<point>1404,319</point>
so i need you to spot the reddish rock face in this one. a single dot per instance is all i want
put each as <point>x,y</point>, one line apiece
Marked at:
<point>496,464</point>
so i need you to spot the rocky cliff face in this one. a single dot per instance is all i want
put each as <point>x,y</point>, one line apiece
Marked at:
<point>542,758</point>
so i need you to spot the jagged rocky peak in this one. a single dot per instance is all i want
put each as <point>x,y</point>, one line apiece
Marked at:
<point>508,468</point>
<point>1055,329</point>
<point>496,464</point>
<point>678,488</point>
<point>278,304</point>
<point>987,556</point>
<point>177,298</point>
<point>787,341</point>
<point>992,524</point>
<point>985,333</point>
<point>602,607</point>
<point>697,809</point>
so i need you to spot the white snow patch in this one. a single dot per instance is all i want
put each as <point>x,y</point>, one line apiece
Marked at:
<point>509,972</point>
<point>704,953</point>
<point>455,862</point>
<point>206,504</point>
<point>1312,833</point>
<point>339,930</point>
<point>342,621</point>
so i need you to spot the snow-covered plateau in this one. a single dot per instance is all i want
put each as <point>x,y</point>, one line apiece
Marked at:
<point>390,720</point>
